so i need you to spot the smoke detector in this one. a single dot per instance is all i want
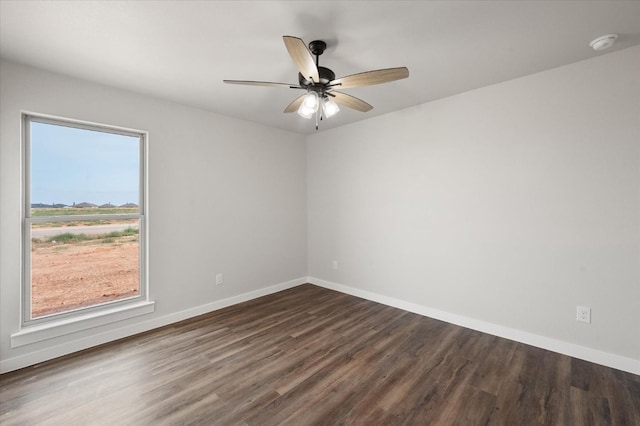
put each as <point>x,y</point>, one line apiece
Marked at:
<point>603,42</point>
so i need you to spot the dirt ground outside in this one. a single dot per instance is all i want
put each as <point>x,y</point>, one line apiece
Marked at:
<point>80,274</point>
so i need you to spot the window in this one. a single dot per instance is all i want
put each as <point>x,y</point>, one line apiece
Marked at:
<point>84,219</point>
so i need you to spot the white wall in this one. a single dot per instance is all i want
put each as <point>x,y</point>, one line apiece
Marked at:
<point>503,207</point>
<point>224,196</point>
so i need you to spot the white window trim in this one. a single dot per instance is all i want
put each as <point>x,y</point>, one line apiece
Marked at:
<point>35,330</point>
<point>61,327</point>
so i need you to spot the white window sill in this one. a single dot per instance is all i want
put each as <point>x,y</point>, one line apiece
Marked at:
<point>50,330</point>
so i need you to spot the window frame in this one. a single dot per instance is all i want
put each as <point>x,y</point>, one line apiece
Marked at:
<point>94,311</point>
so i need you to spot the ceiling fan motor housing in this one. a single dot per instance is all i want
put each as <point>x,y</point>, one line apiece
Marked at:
<point>325,74</point>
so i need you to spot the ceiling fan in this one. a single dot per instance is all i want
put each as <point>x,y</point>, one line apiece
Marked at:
<point>321,98</point>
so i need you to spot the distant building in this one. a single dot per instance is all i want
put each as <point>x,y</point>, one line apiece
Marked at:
<point>107,206</point>
<point>130,205</point>
<point>85,205</point>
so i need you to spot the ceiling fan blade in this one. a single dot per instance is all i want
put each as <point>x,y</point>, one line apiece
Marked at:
<point>293,106</point>
<point>262,83</point>
<point>302,58</point>
<point>350,101</point>
<point>370,77</point>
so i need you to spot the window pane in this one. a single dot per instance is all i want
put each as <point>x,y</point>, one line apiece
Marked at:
<point>83,170</point>
<point>81,264</point>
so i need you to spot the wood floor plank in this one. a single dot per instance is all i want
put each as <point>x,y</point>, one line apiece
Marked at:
<point>472,406</point>
<point>309,356</point>
<point>490,372</point>
<point>510,406</point>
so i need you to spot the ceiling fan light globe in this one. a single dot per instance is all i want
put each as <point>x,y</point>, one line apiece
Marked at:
<point>306,112</point>
<point>309,105</point>
<point>311,101</point>
<point>330,108</point>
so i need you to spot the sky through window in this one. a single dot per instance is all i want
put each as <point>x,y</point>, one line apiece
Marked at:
<point>70,165</point>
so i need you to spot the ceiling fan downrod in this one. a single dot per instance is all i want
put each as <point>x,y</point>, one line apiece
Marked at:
<point>317,48</point>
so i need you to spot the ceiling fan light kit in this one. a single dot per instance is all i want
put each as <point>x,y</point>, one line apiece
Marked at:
<point>320,83</point>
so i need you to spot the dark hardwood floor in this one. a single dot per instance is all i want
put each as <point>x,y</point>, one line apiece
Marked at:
<point>314,356</point>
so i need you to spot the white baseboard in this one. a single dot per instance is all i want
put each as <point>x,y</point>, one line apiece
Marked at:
<point>570,349</point>
<point>66,348</point>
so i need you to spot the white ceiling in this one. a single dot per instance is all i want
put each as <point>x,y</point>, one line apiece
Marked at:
<point>182,50</point>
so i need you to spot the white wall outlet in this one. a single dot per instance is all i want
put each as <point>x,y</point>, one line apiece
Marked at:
<point>219,279</point>
<point>584,314</point>
<point>334,264</point>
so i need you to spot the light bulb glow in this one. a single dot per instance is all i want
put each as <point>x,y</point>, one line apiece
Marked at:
<point>309,105</point>
<point>311,100</point>
<point>305,112</point>
<point>329,108</point>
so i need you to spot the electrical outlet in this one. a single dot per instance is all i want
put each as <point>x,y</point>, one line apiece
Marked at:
<point>219,279</point>
<point>334,264</point>
<point>584,314</point>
